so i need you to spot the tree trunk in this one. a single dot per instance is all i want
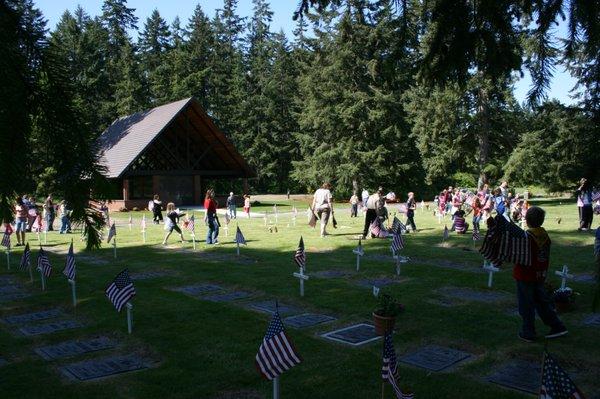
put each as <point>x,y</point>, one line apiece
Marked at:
<point>483,134</point>
<point>355,186</point>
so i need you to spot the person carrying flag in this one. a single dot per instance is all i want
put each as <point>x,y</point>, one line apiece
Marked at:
<point>532,297</point>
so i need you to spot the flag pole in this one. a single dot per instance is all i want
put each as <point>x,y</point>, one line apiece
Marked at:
<point>194,240</point>
<point>43,279</point>
<point>8,258</point>
<point>74,292</point>
<point>397,264</point>
<point>45,237</point>
<point>144,235</point>
<point>237,242</point>
<point>129,317</point>
<point>115,246</point>
<point>30,273</point>
<point>276,387</point>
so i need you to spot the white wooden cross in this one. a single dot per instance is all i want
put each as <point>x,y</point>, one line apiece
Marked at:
<point>359,253</point>
<point>564,274</point>
<point>301,276</point>
<point>439,216</point>
<point>400,259</point>
<point>491,269</point>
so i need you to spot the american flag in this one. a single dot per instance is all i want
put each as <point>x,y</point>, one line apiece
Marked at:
<point>276,354</point>
<point>6,237</point>
<point>191,225</point>
<point>112,232</point>
<point>397,243</point>
<point>26,258</point>
<point>505,241</point>
<point>476,236</point>
<point>375,228</point>
<point>227,218</point>
<point>446,233</point>
<point>596,196</point>
<point>389,369</point>
<point>44,265</point>
<point>556,383</point>
<point>397,226</point>
<point>300,255</point>
<point>239,237</point>
<point>69,270</point>
<point>143,223</point>
<point>121,290</point>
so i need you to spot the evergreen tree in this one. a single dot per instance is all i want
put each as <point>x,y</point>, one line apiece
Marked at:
<point>154,44</point>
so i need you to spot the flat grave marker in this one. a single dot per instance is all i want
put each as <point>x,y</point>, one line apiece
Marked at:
<point>592,320</point>
<point>34,316</point>
<point>307,320</point>
<point>198,289</point>
<point>584,278</point>
<point>227,297</point>
<point>518,374</point>
<point>378,282</point>
<point>474,295</point>
<point>434,357</point>
<point>149,275</point>
<point>355,335</point>
<point>48,328</point>
<point>13,295</point>
<point>269,307</point>
<point>331,274</point>
<point>74,348</point>
<point>103,367</point>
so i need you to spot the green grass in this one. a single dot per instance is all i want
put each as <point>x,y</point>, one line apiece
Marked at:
<point>206,350</point>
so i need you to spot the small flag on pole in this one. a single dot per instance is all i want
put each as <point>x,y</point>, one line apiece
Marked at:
<point>239,237</point>
<point>69,270</point>
<point>26,258</point>
<point>6,237</point>
<point>476,236</point>
<point>397,243</point>
<point>556,383</point>
<point>121,290</point>
<point>397,226</point>
<point>191,224</point>
<point>389,369</point>
<point>300,255</point>
<point>112,232</point>
<point>276,354</point>
<point>38,224</point>
<point>44,263</point>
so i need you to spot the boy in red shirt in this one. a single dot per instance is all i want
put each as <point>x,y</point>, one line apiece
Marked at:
<point>531,294</point>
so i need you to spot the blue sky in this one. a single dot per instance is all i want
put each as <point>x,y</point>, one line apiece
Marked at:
<point>282,20</point>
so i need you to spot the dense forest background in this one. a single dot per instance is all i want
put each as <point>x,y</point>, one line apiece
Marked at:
<point>411,95</point>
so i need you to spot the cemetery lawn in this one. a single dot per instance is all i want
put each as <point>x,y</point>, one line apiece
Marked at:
<point>202,349</point>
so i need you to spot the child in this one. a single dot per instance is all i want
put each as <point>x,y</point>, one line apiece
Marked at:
<point>460,225</point>
<point>477,210</point>
<point>247,204</point>
<point>531,294</point>
<point>171,222</point>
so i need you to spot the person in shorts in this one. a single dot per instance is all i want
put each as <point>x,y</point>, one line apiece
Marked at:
<point>171,222</point>
<point>21,217</point>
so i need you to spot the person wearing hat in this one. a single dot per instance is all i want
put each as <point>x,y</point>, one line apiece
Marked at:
<point>323,206</point>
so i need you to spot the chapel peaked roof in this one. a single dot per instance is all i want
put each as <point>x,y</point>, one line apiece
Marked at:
<point>128,136</point>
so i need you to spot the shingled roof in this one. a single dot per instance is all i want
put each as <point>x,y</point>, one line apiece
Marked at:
<point>127,138</point>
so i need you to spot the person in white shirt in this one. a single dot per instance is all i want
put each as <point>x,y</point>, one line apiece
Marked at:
<point>322,205</point>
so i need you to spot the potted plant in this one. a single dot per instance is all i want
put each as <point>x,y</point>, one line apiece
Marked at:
<point>384,317</point>
<point>564,299</point>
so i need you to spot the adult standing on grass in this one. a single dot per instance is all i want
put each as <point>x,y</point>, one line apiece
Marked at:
<point>171,222</point>
<point>584,204</point>
<point>371,214</point>
<point>210,218</point>
<point>231,208</point>
<point>411,206</point>
<point>49,213</point>
<point>354,205</point>
<point>21,214</point>
<point>532,297</point>
<point>323,206</point>
<point>157,209</point>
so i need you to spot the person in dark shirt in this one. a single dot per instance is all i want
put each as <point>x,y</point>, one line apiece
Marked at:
<point>171,222</point>
<point>411,206</point>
